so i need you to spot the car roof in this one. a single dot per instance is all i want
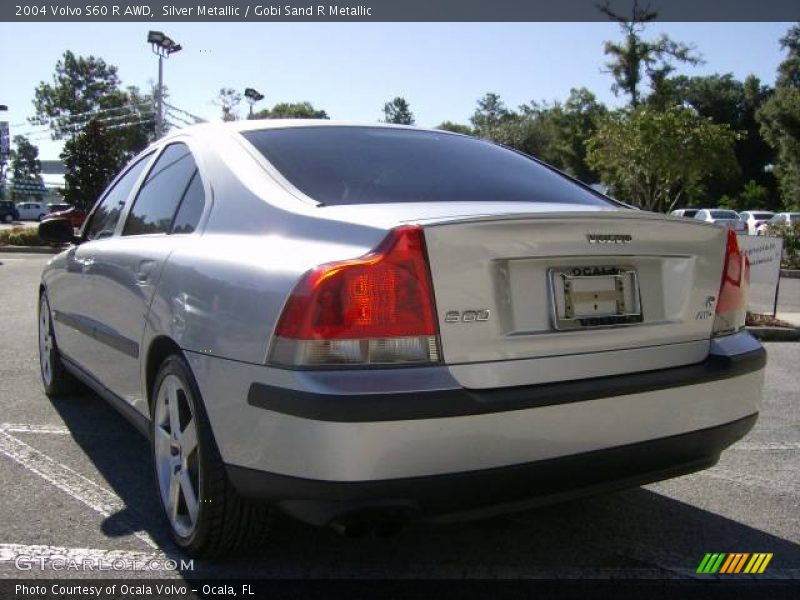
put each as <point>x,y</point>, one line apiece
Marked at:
<point>234,127</point>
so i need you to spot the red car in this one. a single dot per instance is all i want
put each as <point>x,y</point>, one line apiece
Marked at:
<point>75,216</point>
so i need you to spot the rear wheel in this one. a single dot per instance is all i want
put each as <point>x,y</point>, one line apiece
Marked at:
<point>8,218</point>
<point>56,379</point>
<point>206,515</point>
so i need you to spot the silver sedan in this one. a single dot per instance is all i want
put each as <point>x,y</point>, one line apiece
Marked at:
<point>362,325</point>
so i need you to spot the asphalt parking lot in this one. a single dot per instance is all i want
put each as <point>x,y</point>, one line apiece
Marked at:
<point>75,480</point>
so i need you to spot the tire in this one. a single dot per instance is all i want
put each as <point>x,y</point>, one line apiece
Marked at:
<point>41,216</point>
<point>205,514</point>
<point>9,218</point>
<point>56,379</point>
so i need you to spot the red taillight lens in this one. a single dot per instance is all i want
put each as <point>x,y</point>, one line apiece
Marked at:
<point>374,309</point>
<point>732,301</point>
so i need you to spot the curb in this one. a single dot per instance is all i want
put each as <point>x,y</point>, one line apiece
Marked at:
<point>29,250</point>
<point>790,273</point>
<point>775,334</point>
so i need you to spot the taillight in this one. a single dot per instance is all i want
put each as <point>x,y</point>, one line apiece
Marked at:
<point>732,301</point>
<point>373,310</point>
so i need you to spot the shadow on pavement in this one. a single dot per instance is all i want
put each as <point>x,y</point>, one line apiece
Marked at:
<point>636,533</point>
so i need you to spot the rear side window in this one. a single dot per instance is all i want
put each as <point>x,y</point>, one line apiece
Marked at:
<point>191,206</point>
<point>106,215</point>
<point>373,165</point>
<point>162,192</point>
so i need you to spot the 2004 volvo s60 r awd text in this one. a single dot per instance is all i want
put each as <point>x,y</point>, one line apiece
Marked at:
<point>359,325</point>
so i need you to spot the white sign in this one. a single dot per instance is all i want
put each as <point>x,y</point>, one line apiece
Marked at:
<point>764,254</point>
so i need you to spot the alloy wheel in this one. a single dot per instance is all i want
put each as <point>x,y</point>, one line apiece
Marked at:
<point>45,342</point>
<point>176,455</point>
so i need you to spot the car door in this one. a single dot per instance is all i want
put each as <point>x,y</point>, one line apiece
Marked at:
<point>69,291</point>
<point>127,267</point>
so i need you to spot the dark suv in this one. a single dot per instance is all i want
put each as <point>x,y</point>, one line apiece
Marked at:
<point>8,212</point>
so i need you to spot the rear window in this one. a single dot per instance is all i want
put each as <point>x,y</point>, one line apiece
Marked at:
<point>761,216</point>
<point>794,218</point>
<point>374,165</point>
<point>723,214</point>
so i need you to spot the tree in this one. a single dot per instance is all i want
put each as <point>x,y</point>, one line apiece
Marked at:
<point>91,161</point>
<point>291,110</point>
<point>752,196</point>
<point>635,57</point>
<point>85,88</point>
<point>228,100</point>
<point>455,127</point>
<point>490,114</point>
<point>779,117</point>
<point>26,168</point>
<point>726,100</point>
<point>398,112</point>
<point>654,159</point>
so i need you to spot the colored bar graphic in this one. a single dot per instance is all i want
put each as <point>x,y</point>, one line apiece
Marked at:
<point>732,563</point>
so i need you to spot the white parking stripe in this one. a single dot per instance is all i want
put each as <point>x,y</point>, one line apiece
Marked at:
<point>54,430</point>
<point>84,490</point>
<point>782,486</point>
<point>766,446</point>
<point>39,556</point>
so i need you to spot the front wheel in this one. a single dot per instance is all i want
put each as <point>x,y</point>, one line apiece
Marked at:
<point>55,378</point>
<point>205,514</point>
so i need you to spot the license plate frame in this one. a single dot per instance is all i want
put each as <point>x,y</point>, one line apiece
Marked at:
<point>594,296</point>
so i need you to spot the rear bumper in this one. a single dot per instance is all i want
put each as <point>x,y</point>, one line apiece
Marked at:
<point>492,491</point>
<point>340,435</point>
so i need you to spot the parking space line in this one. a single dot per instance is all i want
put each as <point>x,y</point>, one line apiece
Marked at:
<point>767,446</point>
<point>38,556</point>
<point>96,497</point>
<point>53,430</point>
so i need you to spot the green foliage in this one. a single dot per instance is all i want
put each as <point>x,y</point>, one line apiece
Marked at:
<point>25,166</point>
<point>455,127</point>
<point>21,236</point>
<point>228,99</point>
<point>753,196</point>
<point>83,84</point>
<point>636,58</point>
<point>780,121</point>
<point>655,159</point>
<point>91,162</point>
<point>398,112</point>
<point>790,232</point>
<point>291,110</point>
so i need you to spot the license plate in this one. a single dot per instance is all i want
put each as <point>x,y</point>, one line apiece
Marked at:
<point>595,296</point>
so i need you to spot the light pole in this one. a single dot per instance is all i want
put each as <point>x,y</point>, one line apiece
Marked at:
<point>162,45</point>
<point>5,148</point>
<point>252,97</point>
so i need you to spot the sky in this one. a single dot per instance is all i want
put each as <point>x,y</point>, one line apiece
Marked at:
<point>351,69</point>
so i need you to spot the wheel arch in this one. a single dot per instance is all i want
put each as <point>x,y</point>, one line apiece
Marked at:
<point>159,349</point>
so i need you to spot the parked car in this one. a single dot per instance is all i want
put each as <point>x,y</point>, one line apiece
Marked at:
<point>779,218</point>
<point>719,216</point>
<point>364,325</point>
<point>58,207</point>
<point>752,219</point>
<point>687,213</point>
<point>72,214</point>
<point>31,211</point>
<point>8,211</point>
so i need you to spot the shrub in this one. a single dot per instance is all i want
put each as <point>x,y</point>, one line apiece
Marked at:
<point>790,232</point>
<point>21,236</point>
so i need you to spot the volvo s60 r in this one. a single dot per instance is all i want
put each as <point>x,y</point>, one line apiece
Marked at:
<point>363,325</point>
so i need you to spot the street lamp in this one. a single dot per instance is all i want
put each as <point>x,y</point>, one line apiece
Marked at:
<point>252,97</point>
<point>162,45</point>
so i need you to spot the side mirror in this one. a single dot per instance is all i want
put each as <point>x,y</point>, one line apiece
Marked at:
<point>57,231</point>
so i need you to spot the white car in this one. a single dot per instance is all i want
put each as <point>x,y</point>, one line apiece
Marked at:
<point>686,213</point>
<point>721,216</point>
<point>753,219</point>
<point>359,325</point>
<point>32,211</point>
<point>782,217</point>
